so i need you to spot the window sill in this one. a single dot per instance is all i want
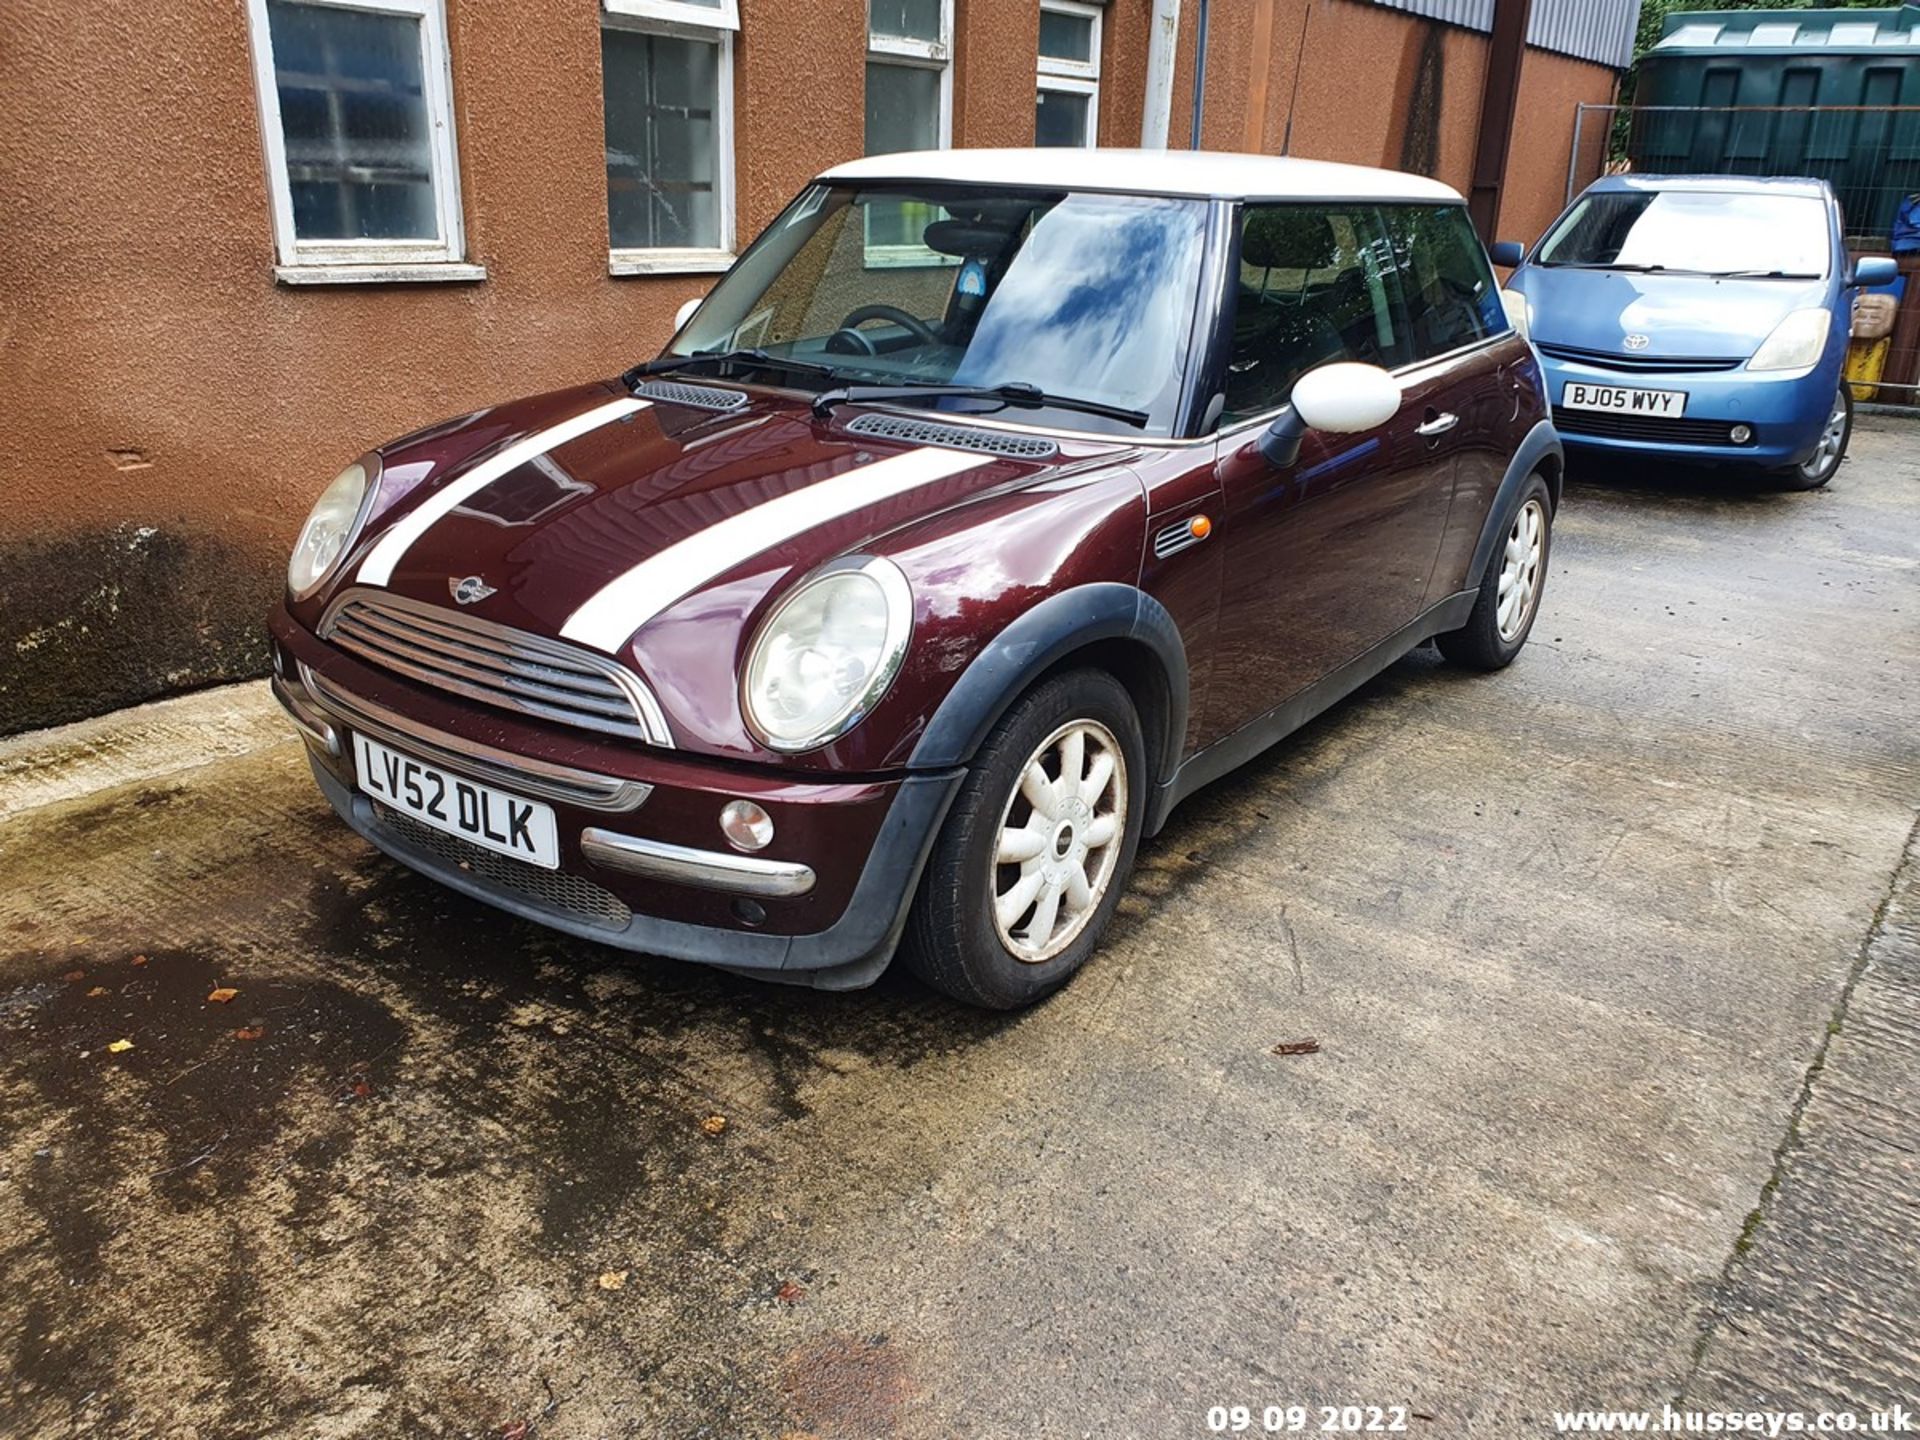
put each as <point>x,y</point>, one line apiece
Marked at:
<point>443,272</point>
<point>668,262</point>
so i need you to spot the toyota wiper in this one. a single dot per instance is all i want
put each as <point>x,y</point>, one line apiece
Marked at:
<point>765,359</point>
<point>1629,268</point>
<point>1016,393</point>
<point>1762,275</point>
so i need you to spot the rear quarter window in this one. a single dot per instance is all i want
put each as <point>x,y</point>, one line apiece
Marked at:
<point>1451,296</point>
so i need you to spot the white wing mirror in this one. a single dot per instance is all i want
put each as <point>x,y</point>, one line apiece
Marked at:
<point>685,313</point>
<point>1344,398</point>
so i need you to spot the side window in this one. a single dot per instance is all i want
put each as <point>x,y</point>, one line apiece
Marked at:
<point>1451,296</point>
<point>1316,285</point>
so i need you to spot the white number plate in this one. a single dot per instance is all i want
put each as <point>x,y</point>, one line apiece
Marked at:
<point>1658,404</point>
<point>479,813</point>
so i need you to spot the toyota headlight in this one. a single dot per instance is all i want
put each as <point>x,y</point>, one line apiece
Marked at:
<point>1796,342</point>
<point>827,653</point>
<point>330,527</point>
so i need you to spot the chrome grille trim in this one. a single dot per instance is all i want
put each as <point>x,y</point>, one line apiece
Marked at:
<point>494,664</point>
<point>954,437</point>
<point>497,767</point>
<point>698,397</point>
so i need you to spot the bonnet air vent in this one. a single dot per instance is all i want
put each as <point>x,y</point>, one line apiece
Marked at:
<point>700,397</point>
<point>957,437</point>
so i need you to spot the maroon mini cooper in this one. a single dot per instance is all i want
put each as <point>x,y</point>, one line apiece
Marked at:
<point>992,503</point>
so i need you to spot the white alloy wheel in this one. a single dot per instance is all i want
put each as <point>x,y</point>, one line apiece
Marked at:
<point>1520,570</point>
<point>1059,840</point>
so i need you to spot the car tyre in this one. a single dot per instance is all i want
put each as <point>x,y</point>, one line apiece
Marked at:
<point>1820,467</point>
<point>1494,632</point>
<point>1004,865</point>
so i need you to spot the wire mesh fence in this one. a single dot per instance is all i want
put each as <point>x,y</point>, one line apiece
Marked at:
<point>1870,154</point>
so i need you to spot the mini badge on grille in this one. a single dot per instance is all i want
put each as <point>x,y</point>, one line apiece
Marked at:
<point>470,591</point>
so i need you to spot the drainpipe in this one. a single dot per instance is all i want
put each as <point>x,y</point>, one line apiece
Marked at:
<point>1199,77</point>
<point>1499,98</point>
<point>1162,45</point>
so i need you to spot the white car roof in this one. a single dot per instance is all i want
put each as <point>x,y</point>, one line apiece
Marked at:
<point>1204,173</point>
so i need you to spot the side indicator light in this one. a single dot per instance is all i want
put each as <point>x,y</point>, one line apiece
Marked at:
<point>1200,527</point>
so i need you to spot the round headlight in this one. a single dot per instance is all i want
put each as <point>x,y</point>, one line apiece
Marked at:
<point>329,529</point>
<point>827,653</point>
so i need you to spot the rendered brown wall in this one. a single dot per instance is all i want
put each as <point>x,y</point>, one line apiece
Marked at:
<point>172,411</point>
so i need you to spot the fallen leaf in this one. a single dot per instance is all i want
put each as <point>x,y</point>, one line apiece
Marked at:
<point>714,1124</point>
<point>72,975</point>
<point>139,959</point>
<point>1308,1046</point>
<point>119,1046</point>
<point>790,1293</point>
<point>249,1032</point>
<point>222,995</point>
<point>614,1279</point>
<point>516,1431</point>
<point>97,992</point>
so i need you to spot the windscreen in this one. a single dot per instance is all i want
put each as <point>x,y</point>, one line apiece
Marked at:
<point>1701,232</point>
<point>1088,296</point>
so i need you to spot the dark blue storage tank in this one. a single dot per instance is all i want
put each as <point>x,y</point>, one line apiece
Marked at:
<point>1855,66</point>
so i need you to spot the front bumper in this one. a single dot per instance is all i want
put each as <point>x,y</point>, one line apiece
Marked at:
<point>1785,411</point>
<point>643,865</point>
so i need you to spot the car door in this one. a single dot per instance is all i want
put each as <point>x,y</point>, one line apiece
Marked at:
<point>1328,556</point>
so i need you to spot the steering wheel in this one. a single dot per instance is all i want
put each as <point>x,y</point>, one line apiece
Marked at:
<point>919,328</point>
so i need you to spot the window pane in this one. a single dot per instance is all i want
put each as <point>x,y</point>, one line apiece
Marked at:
<point>1316,286</point>
<point>1451,298</point>
<point>1066,37</point>
<point>353,115</point>
<point>1060,119</point>
<point>661,94</point>
<point>908,19</point>
<point>903,108</point>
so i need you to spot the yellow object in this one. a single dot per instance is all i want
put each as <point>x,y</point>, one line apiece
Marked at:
<point>1866,363</point>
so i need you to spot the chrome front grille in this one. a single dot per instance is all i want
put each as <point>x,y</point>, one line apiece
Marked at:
<point>511,669</point>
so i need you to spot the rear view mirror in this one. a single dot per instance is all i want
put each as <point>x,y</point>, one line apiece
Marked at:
<point>1872,270</point>
<point>1343,399</point>
<point>685,313</point>
<point>1507,254</point>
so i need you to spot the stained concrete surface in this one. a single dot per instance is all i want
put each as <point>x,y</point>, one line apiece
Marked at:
<point>1570,940</point>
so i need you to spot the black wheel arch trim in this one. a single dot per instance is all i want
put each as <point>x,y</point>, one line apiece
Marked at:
<point>1040,639</point>
<point>1542,442</point>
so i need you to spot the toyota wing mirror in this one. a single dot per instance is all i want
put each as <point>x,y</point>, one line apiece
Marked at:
<point>1343,399</point>
<point>1507,254</point>
<point>1871,270</point>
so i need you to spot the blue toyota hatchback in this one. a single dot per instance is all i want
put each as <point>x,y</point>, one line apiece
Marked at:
<point>1698,317</point>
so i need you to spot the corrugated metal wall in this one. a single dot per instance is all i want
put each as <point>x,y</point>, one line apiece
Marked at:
<point>1597,30</point>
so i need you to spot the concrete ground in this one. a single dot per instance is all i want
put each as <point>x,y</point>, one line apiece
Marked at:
<point>1614,999</point>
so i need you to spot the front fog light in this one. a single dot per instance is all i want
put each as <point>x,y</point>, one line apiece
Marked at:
<point>1740,434</point>
<point>746,825</point>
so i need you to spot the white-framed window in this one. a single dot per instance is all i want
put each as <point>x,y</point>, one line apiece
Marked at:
<point>1067,108</point>
<point>666,70</point>
<point>356,114</point>
<point>909,107</point>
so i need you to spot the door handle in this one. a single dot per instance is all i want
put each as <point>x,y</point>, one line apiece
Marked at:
<point>1437,425</point>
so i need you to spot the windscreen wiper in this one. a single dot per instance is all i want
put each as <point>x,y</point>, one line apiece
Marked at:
<point>1761,275</point>
<point>766,359</point>
<point>1017,393</point>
